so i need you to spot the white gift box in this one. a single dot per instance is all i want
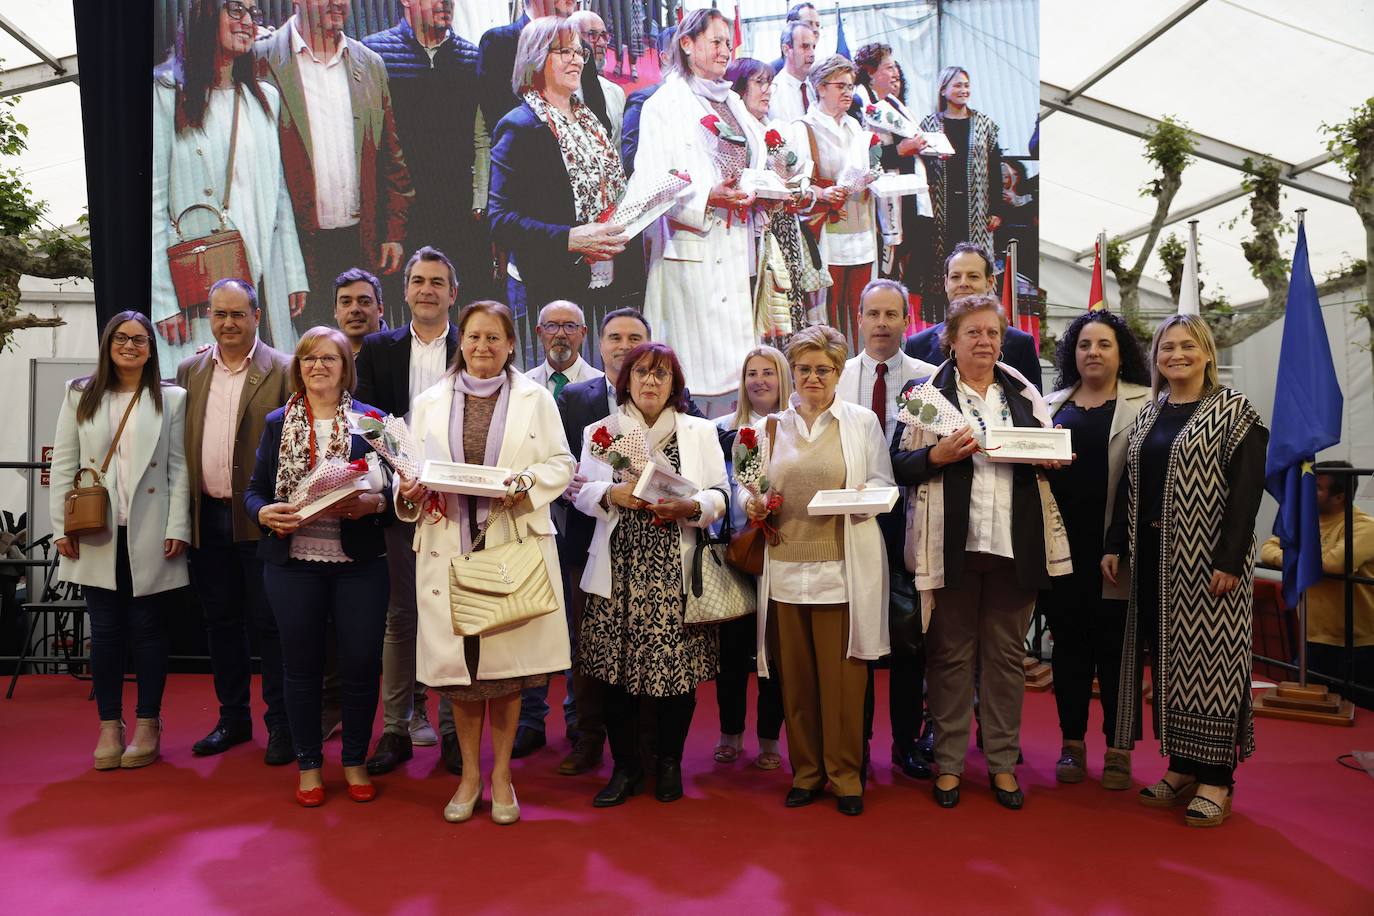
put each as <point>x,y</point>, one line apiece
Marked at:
<point>467,479</point>
<point>937,144</point>
<point>316,507</point>
<point>872,500</point>
<point>895,184</point>
<point>764,183</point>
<point>657,482</point>
<point>1028,444</point>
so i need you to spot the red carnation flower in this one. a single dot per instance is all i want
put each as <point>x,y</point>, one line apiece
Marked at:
<point>602,437</point>
<point>873,140</point>
<point>773,139</point>
<point>375,414</point>
<point>871,109</point>
<point>748,438</point>
<point>359,465</point>
<point>679,173</point>
<point>709,122</point>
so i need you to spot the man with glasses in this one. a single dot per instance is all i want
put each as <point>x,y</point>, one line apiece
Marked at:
<point>792,97</point>
<point>592,29</point>
<point>449,158</point>
<point>349,184</point>
<point>230,390</point>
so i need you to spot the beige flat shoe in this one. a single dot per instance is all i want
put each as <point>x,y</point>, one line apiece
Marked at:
<point>110,747</point>
<point>146,746</point>
<point>455,812</point>
<point>505,814</point>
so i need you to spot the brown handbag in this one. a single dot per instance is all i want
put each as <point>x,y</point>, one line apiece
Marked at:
<point>745,552</point>
<point>86,510</point>
<point>196,264</point>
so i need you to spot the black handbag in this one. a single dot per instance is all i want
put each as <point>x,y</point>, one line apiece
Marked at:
<point>904,615</point>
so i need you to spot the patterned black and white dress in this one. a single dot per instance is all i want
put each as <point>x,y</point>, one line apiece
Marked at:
<point>636,639</point>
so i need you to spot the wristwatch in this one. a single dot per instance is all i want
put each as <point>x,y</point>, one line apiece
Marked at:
<point>695,515</point>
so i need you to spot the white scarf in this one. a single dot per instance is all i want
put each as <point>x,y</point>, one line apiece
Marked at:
<point>715,90</point>
<point>659,432</point>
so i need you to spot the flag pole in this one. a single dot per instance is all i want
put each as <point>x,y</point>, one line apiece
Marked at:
<point>1010,277</point>
<point>1102,253</point>
<point>1302,602</point>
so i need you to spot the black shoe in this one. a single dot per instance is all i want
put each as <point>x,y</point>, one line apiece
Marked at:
<point>449,754</point>
<point>224,736</point>
<point>800,798</point>
<point>392,750</point>
<point>852,805</point>
<point>1012,800</point>
<point>925,745</point>
<point>945,798</point>
<point>623,784</point>
<point>668,785</point>
<point>585,756</point>
<point>910,763</point>
<point>280,750</point>
<point>527,741</point>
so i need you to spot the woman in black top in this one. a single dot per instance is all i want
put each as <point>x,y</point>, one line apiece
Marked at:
<point>1185,519</point>
<point>1102,385</point>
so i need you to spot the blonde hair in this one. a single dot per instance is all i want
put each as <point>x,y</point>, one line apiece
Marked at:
<point>824,69</point>
<point>307,345</point>
<point>774,356</point>
<point>819,337</point>
<point>960,309</point>
<point>693,26</point>
<point>1202,336</point>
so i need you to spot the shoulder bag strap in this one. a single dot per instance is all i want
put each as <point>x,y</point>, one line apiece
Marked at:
<point>233,147</point>
<point>109,453</point>
<point>772,434</point>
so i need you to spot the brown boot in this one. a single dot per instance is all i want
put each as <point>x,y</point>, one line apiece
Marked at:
<point>1116,769</point>
<point>1070,766</point>
<point>110,747</point>
<point>146,744</point>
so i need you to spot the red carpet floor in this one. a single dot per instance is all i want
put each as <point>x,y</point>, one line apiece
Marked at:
<point>222,834</point>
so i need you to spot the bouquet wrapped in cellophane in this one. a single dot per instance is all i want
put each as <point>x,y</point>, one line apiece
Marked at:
<point>390,438</point>
<point>729,151</point>
<point>888,120</point>
<point>643,194</point>
<point>855,177</point>
<point>329,476</point>
<point>624,450</point>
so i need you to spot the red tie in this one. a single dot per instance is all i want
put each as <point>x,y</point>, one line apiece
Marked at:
<point>880,396</point>
<point>806,102</point>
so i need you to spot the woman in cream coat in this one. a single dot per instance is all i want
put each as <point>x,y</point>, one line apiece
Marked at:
<point>828,615</point>
<point>700,253</point>
<point>533,447</point>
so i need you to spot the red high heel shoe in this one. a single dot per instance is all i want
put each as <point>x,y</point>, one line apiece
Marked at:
<point>362,793</point>
<point>311,798</point>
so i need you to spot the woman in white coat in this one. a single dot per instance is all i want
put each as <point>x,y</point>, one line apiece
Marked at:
<point>823,593</point>
<point>700,252</point>
<point>126,568</point>
<point>483,412</point>
<point>201,94</point>
<point>633,637</point>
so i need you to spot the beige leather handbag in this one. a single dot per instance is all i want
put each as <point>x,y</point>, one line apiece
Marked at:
<point>500,586</point>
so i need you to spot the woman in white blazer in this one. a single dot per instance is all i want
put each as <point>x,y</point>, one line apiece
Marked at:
<point>1103,384</point>
<point>700,252</point>
<point>484,412</point>
<point>209,75</point>
<point>824,589</point>
<point>633,639</point>
<point>126,568</point>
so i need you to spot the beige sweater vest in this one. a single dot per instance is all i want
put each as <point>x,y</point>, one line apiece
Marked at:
<point>799,468</point>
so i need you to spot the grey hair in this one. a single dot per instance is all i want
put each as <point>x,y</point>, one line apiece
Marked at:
<point>242,286</point>
<point>533,51</point>
<point>789,31</point>
<point>563,303</point>
<point>824,69</point>
<point>885,283</point>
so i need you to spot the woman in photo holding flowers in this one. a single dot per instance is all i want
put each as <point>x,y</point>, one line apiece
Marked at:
<point>700,252</point>
<point>823,593</point>
<point>329,567</point>
<point>633,638</point>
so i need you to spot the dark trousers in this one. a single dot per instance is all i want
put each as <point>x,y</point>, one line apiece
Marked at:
<point>1088,630</point>
<point>905,697</point>
<point>738,650</point>
<point>304,595</point>
<point>1334,662</point>
<point>120,621</point>
<point>334,251</point>
<point>673,719</point>
<point>589,691</point>
<point>227,577</point>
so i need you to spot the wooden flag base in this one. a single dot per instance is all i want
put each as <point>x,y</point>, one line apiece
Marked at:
<point>1039,676</point>
<point>1313,703</point>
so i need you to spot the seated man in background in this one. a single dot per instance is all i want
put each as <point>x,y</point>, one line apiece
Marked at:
<point>1326,600</point>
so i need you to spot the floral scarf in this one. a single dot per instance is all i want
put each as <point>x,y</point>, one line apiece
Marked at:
<point>592,161</point>
<point>299,451</point>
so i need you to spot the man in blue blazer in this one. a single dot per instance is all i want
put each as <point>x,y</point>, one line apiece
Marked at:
<point>496,66</point>
<point>969,272</point>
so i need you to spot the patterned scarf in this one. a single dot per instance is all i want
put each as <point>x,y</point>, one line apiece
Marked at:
<point>592,161</point>
<point>982,139</point>
<point>299,451</point>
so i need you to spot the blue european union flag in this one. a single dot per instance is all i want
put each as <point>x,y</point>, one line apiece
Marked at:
<point>1307,419</point>
<point>841,45</point>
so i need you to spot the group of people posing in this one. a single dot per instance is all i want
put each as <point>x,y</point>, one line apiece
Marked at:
<point>1141,547</point>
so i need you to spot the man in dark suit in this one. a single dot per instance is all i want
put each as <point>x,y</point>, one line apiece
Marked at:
<point>231,388</point>
<point>969,272</point>
<point>634,105</point>
<point>394,367</point>
<point>496,66</point>
<point>349,185</point>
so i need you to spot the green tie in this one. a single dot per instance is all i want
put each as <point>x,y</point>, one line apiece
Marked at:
<point>559,380</point>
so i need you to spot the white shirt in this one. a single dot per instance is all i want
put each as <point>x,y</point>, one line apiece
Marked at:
<point>338,190</point>
<point>839,145</point>
<point>428,362</point>
<point>989,513</point>
<point>579,371</point>
<point>785,104</point>
<point>615,106</point>
<point>123,462</point>
<point>819,582</point>
<point>896,380</point>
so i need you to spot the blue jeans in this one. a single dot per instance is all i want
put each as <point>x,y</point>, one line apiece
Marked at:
<point>118,620</point>
<point>304,595</point>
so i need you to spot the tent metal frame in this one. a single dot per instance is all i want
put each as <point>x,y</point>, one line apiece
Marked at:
<point>49,71</point>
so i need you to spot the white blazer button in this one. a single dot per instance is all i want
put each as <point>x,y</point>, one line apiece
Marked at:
<point>434,591</point>
<point>434,553</point>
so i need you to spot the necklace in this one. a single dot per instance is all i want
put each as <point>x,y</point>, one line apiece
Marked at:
<point>978,414</point>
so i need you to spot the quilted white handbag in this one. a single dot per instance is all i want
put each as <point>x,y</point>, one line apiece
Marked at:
<point>500,586</point>
<point>716,591</point>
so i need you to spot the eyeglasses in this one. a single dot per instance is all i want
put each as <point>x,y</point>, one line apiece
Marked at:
<point>327,360</point>
<point>236,10</point>
<point>138,340</point>
<point>762,81</point>
<point>596,35</point>
<point>659,375</point>
<point>565,55</point>
<point>567,327</point>
<point>845,88</point>
<point>821,372</point>
<point>228,316</point>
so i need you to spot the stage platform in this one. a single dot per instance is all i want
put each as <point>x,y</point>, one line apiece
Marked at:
<point>224,835</point>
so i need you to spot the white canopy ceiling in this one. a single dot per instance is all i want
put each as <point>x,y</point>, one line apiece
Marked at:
<point>1261,75</point>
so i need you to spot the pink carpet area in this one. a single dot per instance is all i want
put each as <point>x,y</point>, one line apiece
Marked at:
<point>223,834</point>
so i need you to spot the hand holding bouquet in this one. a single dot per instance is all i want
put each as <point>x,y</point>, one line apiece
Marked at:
<point>390,437</point>
<point>328,476</point>
<point>750,460</point>
<point>626,452</point>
